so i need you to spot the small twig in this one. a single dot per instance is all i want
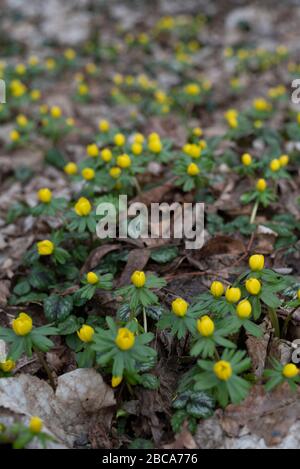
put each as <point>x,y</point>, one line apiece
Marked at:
<point>46,368</point>
<point>145,320</point>
<point>254,212</point>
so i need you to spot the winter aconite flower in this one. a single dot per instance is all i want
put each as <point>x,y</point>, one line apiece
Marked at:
<point>35,425</point>
<point>193,169</point>
<point>88,174</point>
<point>257,262</point>
<point>103,125</point>
<point>119,140</point>
<point>275,165</point>
<point>284,160</point>
<point>138,278</point>
<point>106,155</point>
<point>244,309</point>
<point>86,333</point>
<point>205,326</point>
<point>71,169</point>
<point>253,286</point>
<point>246,159</point>
<point>290,371</point>
<point>14,136</point>
<point>217,289</point>
<point>92,278</point>
<point>125,339</point>
<point>179,307</point>
<point>44,195</point>
<point>115,172</point>
<point>233,295</point>
<point>7,366</point>
<point>55,112</point>
<point>116,380</point>
<point>124,161</point>
<point>92,150</point>
<point>45,247</point>
<point>261,185</point>
<point>83,207</point>
<point>22,325</point>
<point>223,370</point>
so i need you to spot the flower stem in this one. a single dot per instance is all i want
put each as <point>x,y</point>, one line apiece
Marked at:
<point>46,368</point>
<point>145,320</point>
<point>274,321</point>
<point>254,212</point>
<point>287,321</point>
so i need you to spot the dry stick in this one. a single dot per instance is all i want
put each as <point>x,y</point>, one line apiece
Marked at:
<point>254,212</point>
<point>46,368</point>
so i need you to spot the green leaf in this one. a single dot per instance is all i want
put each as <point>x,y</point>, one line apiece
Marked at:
<point>57,308</point>
<point>164,255</point>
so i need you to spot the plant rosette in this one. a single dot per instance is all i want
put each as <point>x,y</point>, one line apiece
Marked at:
<point>48,205</point>
<point>83,217</point>
<point>288,373</point>
<point>48,249</point>
<point>140,293</point>
<point>241,319</point>
<point>120,348</point>
<point>210,334</point>
<point>24,338</point>
<point>20,435</point>
<point>221,377</point>
<point>264,198</point>
<point>92,282</point>
<point>179,320</point>
<point>190,175</point>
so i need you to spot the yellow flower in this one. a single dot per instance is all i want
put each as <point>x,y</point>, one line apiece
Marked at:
<point>71,168</point>
<point>44,195</point>
<point>138,138</point>
<point>86,333</point>
<point>232,117</point>
<point>33,60</point>
<point>197,131</point>
<point>275,165</point>
<point>138,278</point>
<point>70,122</point>
<point>118,79</point>
<point>193,169</point>
<point>7,366</point>
<point>116,380</point>
<point>106,155</point>
<point>70,54</point>
<point>115,172</point>
<point>14,136</point>
<point>91,68</point>
<point>124,161</point>
<point>253,286</point>
<point>92,278</point>
<point>83,89</point>
<point>50,63</point>
<point>103,125</point>
<point>244,309</point>
<point>246,159</point>
<point>217,289</point>
<point>125,339</point>
<point>83,207</point>
<point>44,109</point>
<point>88,174</point>
<point>35,425</point>
<point>194,151</point>
<point>45,247</point>
<point>20,69</point>
<point>55,112</point>
<point>119,140</point>
<point>256,262</point>
<point>22,325</point>
<point>35,95</point>
<point>136,148</point>
<point>290,371</point>
<point>92,150</point>
<point>284,160</point>
<point>261,185</point>
<point>223,370</point>
<point>260,104</point>
<point>155,145</point>
<point>179,307</point>
<point>205,326</point>
<point>233,294</point>
<point>192,89</point>
<point>22,120</point>
<point>298,294</point>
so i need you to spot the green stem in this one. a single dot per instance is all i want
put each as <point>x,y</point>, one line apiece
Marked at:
<point>145,320</point>
<point>274,321</point>
<point>46,368</point>
<point>254,212</point>
<point>138,187</point>
<point>287,321</point>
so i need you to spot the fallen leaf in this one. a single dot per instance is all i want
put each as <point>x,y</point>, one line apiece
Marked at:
<point>96,255</point>
<point>137,260</point>
<point>80,395</point>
